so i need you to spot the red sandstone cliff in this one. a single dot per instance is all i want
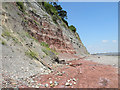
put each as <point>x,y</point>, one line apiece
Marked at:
<point>58,37</point>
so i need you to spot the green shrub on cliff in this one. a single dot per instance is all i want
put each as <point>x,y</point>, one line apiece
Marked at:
<point>54,18</point>
<point>3,42</point>
<point>44,44</point>
<point>50,8</point>
<point>6,33</point>
<point>65,21</point>
<point>36,22</point>
<point>56,12</point>
<point>72,28</point>
<point>47,50</point>
<point>21,6</point>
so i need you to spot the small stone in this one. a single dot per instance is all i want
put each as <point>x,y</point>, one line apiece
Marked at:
<point>49,78</point>
<point>74,79</point>
<point>113,64</point>
<point>67,84</point>
<point>46,85</point>
<point>52,71</point>
<point>63,72</point>
<point>51,82</point>
<point>68,80</point>
<point>41,69</point>
<point>74,83</point>
<point>32,81</point>
<point>70,84</point>
<point>66,64</point>
<point>37,87</point>
<point>59,73</point>
<point>56,83</point>
<point>33,86</point>
<point>41,85</point>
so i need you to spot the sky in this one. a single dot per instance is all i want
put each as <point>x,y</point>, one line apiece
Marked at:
<point>96,24</point>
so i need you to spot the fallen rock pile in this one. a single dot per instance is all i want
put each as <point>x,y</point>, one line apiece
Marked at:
<point>85,74</point>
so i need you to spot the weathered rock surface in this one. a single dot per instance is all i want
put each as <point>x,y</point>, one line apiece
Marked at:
<point>25,31</point>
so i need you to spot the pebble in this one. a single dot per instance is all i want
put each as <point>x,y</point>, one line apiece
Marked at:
<point>74,79</point>
<point>70,84</point>
<point>37,87</point>
<point>74,83</point>
<point>46,85</point>
<point>114,64</point>
<point>59,73</point>
<point>33,86</point>
<point>68,80</point>
<point>32,81</point>
<point>52,71</point>
<point>66,64</point>
<point>67,84</point>
<point>51,82</point>
<point>63,72</point>
<point>40,84</point>
<point>41,69</point>
<point>56,83</point>
<point>49,78</point>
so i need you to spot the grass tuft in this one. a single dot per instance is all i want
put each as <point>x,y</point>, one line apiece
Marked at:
<point>47,50</point>
<point>6,33</point>
<point>36,22</point>
<point>32,54</point>
<point>3,43</point>
<point>44,44</point>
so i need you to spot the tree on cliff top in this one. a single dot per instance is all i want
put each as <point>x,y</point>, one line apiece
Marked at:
<point>50,8</point>
<point>56,10</point>
<point>62,13</point>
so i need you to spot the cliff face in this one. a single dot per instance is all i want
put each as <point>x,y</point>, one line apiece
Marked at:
<point>47,32</point>
<point>33,33</point>
<point>41,26</point>
<point>58,37</point>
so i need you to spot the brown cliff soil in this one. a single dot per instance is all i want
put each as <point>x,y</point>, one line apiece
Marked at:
<point>80,74</point>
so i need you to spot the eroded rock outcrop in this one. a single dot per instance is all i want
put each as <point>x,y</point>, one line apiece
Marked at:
<point>58,37</point>
<point>21,38</point>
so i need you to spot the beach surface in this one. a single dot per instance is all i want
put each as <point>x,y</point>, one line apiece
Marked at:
<point>87,72</point>
<point>106,60</point>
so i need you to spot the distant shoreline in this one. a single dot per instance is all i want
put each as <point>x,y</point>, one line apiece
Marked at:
<point>108,54</point>
<point>104,59</point>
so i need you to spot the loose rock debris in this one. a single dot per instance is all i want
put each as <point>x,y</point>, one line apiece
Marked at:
<point>76,76</point>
